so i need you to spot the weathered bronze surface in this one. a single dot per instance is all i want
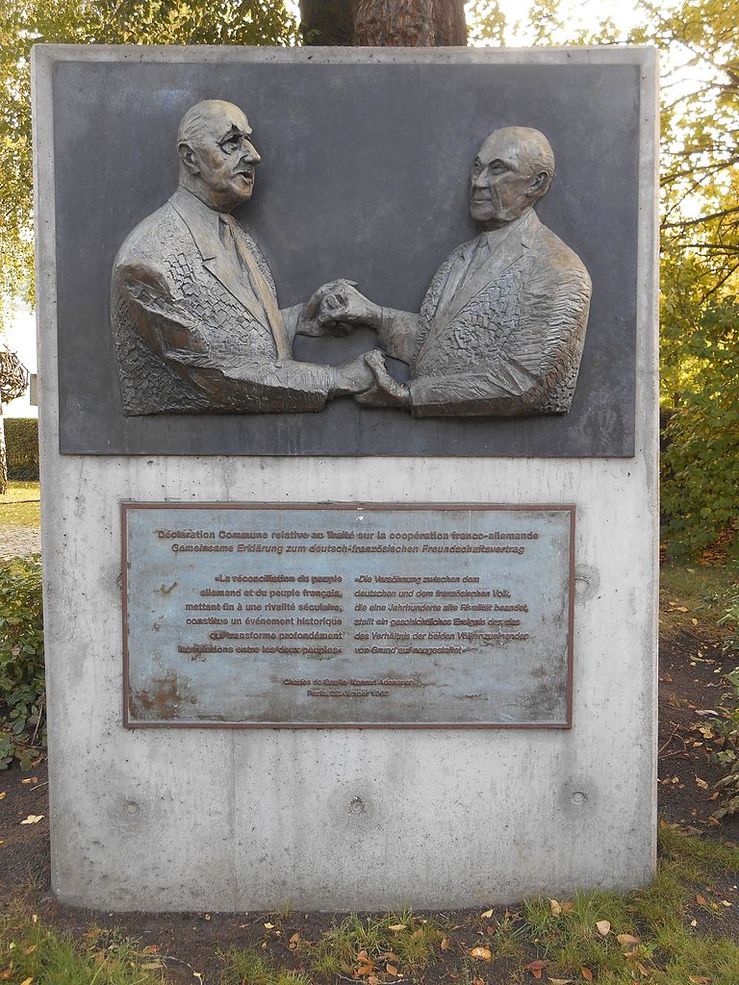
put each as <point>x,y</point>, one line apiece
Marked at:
<point>194,311</point>
<point>347,616</point>
<point>502,326</point>
<point>198,328</point>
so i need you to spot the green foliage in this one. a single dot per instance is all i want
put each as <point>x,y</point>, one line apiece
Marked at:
<point>26,22</point>
<point>701,461</point>
<point>21,438</point>
<point>31,952</point>
<point>22,728</point>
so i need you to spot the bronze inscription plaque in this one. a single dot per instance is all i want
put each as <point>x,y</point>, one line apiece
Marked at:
<point>379,615</point>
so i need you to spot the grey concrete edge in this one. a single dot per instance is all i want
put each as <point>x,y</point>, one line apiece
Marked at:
<point>555,55</point>
<point>46,322</point>
<point>647,369</point>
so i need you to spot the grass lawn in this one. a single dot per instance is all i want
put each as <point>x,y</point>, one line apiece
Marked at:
<point>20,505</point>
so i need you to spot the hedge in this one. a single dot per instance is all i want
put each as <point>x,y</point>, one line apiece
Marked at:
<point>21,439</point>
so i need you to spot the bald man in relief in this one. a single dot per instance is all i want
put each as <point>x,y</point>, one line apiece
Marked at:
<point>502,326</point>
<point>194,311</point>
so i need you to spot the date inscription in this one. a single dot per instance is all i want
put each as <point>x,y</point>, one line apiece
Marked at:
<point>347,616</point>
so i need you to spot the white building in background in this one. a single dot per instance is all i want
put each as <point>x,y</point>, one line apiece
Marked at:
<point>20,337</point>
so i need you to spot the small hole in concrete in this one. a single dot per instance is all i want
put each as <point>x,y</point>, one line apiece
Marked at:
<point>357,806</point>
<point>579,799</point>
<point>131,807</point>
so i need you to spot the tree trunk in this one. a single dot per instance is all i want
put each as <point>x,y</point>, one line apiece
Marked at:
<point>327,22</point>
<point>414,23</point>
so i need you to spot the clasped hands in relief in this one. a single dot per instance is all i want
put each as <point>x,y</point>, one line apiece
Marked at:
<point>337,308</point>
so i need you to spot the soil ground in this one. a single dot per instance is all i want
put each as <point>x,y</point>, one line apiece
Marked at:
<point>691,688</point>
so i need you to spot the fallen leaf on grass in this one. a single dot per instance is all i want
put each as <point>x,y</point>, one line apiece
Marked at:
<point>725,902</point>
<point>477,981</point>
<point>397,926</point>
<point>486,915</point>
<point>444,944</point>
<point>560,981</point>
<point>701,900</point>
<point>27,981</point>
<point>555,907</point>
<point>30,779</point>
<point>701,783</point>
<point>3,794</point>
<point>151,949</point>
<point>567,906</point>
<point>627,939</point>
<point>5,975</point>
<point>269,926</point>
<point>604,927</point>
<point>481,953</point>
<point>391,969</point>
<point>699,980</point>
<point>33,819</point>
<point>644,972</point>
<point>587,974</point>
<point>536,968</point>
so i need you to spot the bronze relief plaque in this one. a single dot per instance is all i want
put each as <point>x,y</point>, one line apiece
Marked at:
<point>344,615</point>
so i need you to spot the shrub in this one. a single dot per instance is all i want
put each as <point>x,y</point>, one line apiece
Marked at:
<point>21,438</point>
<point>22,720</point>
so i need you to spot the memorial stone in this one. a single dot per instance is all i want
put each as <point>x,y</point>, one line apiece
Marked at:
<point>348,447</point>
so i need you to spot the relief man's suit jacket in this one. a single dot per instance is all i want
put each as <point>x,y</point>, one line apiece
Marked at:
<point>193,332</point>
<point>502,326</point>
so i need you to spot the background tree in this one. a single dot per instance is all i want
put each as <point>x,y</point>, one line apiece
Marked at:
<point>415,23</point>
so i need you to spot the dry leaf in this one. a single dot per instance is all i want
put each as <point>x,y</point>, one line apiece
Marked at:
<point>627,939</point>
<point>33,819</point>
<point>486,915</point>
<point>391,969</point>
<point>555,907</point>
<point>699,980</point>
<point>587,974</point>
<point>560,981</point>
<point>3,794</point>
<point>27,981</point>
<point>694,621</point>
<point>365,969</point>
<point>363,956</point>
<point>5,975</point>
<point>397,926</point>
<point>701,783</point>
<point>604,927</point>
<point>701,900</point>
<point>536,968</point>
<point>644,972</point>
<point>567,906</point>
<point>267,926</point>
<point>481,953</point>
<point>444,944</point>
<point>725,902</point>
<point>477,981</point>
<point>373,980</point>
<point>151,949</point>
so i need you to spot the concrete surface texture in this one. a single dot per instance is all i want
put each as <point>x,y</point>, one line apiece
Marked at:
<point>340,820</point>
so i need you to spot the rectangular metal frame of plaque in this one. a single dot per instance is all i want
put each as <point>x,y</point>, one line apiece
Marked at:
<point>128,721</point>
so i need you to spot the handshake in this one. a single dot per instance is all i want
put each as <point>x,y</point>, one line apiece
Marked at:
<point>335,309</point>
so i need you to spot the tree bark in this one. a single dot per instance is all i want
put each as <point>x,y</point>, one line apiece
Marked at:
<point>327,22</point>
<point>412,23</point>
